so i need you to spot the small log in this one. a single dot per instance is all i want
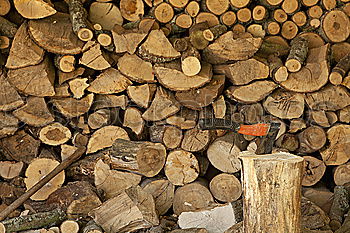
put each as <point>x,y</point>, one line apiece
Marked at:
<point>340,70</point>
<point>313,75</point>
<point>251,93</point>
<point>184,119</point>
<point>113,182</point>
<point>233,49</point>
<point>105,137</point>
<point>132,10</point>
<point>170,75</point>
<point>192,8</point>
<point>77,86</point>
<point>272,27</point>
<point>100,118</point>
<point>28,79</point>
<point>297,54</point>
<point>92,227</point>
<point>33,221</point>
<point>69,226</point>
<point>150,49</point>
<point>163,12</point>
<point>181,167</point>
<point>162,106</point>
<point>95,58</point>
<point>36,170</point>
<point>35,112</point>
<point>289,29</point>
<point>78,17</point>
<point>5,7</point>
<point>280,15</point>
<point>314,170</point>
<point>260,193</point>
<point>142,95</point>
<point>223,153</point>
<point>225,187</point>
<point>110,101</point>
<point>178,4</point>
<point>208,17</point>
<point>71,107</point>
<point>219,107</point>
<point>284,104</point>
<point>323,118</point>
<point>24,52</point>
<point>53,34</point>
<point>133,120</point>
<point>191,61</point>
<point>54,134</point>
<point>259,13</point>
<point>34,9</point>
<point>162,191</point>
<point>243,72</point>
<point>216,219</point>
<point>183,21</point>
<point>287,142</point>
<point>335,26</point>
<point>8,124</point>
<point>290,6</point>
<point>239,4</point>
<point>195,140</point>
<point>339,207</point>
<point>9,97</point>
<point>311,139</point>
<point>7,28</point>
<point>192,197</point>
<point>20,147</point>
<point>65,63</point>
<point>10,169</point>
<point>127,40</point>
<point>136,210</point>
<point>336,152</point>
<point>202,97</point>
<point>277,70</point>
<point>228,18</point>
<point>321,196</point>
<point>107,14</point>
<point>313,217</point>
<point>172,137</point>
<point>110,81</point>
<point>244,15</point>
<point>67,151</point>
<point>341,174</point>
<point>136,69</point>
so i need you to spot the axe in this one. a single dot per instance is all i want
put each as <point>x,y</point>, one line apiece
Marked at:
<point>267,132</point>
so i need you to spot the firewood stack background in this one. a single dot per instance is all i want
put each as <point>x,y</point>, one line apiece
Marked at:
<point>128,80</point>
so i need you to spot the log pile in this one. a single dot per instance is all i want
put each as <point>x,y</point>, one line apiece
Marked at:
<point>129,80</point>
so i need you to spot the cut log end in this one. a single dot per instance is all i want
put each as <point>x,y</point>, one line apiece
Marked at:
<point>293,65</point>
<point>104,39</point>
<point>191,66</point>
<point>85,34</point>
<point>335,78</point>
<point>69,226</point>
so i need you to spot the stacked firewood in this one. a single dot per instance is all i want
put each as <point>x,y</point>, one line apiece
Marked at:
<point>128,81</point>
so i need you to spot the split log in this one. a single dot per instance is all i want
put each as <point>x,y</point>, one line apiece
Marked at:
<point>329,98</point>
<point>36,170</point>
<point>195,140</point>
<point>77,87</point>
<point>341,174</point>
<point>110,101</point>
<point>127,40</point>
<point>184,119</point>
<point>204,96</point>
<point>34,80</point>
<point>284,104</point>
<point>314,170</point>
<point>162,191</point>
<point>313,75</point>
<point>335,26</point>
<point>260,177</point>
<point>226,49</point>
<point>243,72</point>
<point>63,77</point>
<point>339,50</point>
<point>136,69</point>
<point>54,134</point>
<point>113,182</point>
<point>5,7</point>
<point>34,9</point>
<point>340,70</point>
<point>20,147</point>
<point>105,137</point>
<point>7,28</point>
<point>10,169</point>
<point>143,157</point>
<point>136,210</point>
<point>4,42</point>
<point>311,139</point>
<point>9,97</point>
<point>323,118</point>
<point>133,120</point>
<point>132,10</point>
<point>297,125</point>
<point>339,207</point>
<point>321,196</point>
<point>67,151</point>
<point>313,217</point>
<point>251,93</point>
<point>110,81</point>
<point>100,118</point>
<point>54,34</point>
<point>272,27</point>
<point>192,197</point>
<point>337,151</point>
<point>297,54</point>
<point>71,107</point>
<point>157,48</point>
<point>225,187</point>
<point>69,226</point>
<point>24,52</point>
<point>300,18</point>
<point>181,167</point>
<point>142,95</point>
<point>216,219</point>
<point>35,112</point>
<point>107,14</point>
<point>289,29</point>
<point>170,75</point>
<point>172,137</point>
<point>223,153</point>
<point>95,58</point>
<point>8,124</point>
<point>162,106</point>
<point>219,107</point>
